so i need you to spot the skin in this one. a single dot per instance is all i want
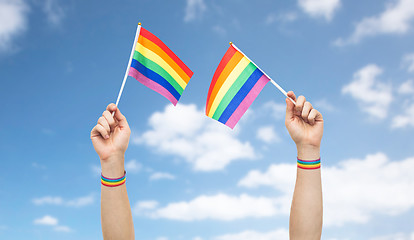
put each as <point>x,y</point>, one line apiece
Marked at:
<point>110,138</point>
<point>305,126</point>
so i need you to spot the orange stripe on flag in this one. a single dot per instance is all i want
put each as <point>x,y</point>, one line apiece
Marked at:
<point>166,49</point>
<point>157,50</point>
<point>223,76</point>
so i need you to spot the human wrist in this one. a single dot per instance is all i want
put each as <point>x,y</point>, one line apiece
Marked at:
<point>308,152</point>
<point>113,167</point>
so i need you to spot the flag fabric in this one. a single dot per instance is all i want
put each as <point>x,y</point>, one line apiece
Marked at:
<point>157,67</point>
<point>235,85</point>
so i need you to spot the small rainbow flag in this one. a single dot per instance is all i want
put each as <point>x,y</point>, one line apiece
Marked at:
<point>236,83</point>
<point>157,67</point>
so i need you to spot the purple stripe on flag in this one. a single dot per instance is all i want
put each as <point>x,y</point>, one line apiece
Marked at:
<point>153,85</point>
<point>247,101</point>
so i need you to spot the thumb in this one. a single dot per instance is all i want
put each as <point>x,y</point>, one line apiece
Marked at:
<point>290,107</point>
<point>122,121</point>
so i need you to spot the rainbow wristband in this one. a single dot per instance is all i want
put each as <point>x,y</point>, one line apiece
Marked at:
<point>113,182</point>
<point>309,164</point>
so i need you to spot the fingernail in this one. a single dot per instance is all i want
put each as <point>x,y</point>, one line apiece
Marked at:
<point>106,136</point>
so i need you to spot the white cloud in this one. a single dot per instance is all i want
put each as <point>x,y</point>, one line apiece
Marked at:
<point>162,238</point>
<point>406,88</point>
<point>396,19</point>
<point>219,30</point>
<point>13,15</point>
<point>320,8</point>
<point>373,96</point>
<point>280,234</point>
<point>59,201</point>
<point>276,110</point>
<point>96,169</point>
<point>161,175</point>
<point>46,220</point>
<point>219,207</point>
<point>408,61</point>
<point>282,17</point>
<point>197,238</point>
<point>405,119</point>
<point>396,236</point>
<point>63,229</point>
<point>279,176</point>
<point>194,10</point>
<point>271,18</point>
<point>323,105</point>
<point>354,191</point>
<point>144,207</point>
<point>54,12</point>
<point>267,134</point>
<point>133,166</point>
<point>81,201</point>
<point>48,200</point>
<point>186,132</point>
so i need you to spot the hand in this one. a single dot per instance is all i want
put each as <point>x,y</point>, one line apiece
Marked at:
<point>305,125</point>
<point>110,136</point>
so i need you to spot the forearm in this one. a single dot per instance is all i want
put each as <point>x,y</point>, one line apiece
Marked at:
<point>116,214</point>
<point>307,210</point>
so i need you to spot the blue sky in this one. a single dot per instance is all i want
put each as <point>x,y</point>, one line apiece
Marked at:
<point>190,177</point>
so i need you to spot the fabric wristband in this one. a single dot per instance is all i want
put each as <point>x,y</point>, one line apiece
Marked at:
<point>113,182</point>
<point>309,164</point>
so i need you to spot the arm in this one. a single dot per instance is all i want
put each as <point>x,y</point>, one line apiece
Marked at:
<point>305,126</point>
<point>110,139</point>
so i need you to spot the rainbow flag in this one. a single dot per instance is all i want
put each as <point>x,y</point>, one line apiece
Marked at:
<point>157,67</point>
<point>236,83</point>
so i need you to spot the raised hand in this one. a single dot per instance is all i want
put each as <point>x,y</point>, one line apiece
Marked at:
<point>305,125</point>
<point>110,138</point>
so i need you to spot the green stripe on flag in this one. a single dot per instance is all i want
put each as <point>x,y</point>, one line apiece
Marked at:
<point>157,69</point>
<point>240,81</point>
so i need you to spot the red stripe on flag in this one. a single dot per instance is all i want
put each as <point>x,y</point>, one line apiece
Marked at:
<point>145,33</point>
<point>229,54</point>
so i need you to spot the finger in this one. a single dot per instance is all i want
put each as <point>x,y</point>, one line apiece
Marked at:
<point>111,108</point>
<point>290,107</point>
<point>314,116</point>
<point>99,130</point>
<point>292,95</point>
<point>122,122</point>
<point>111,121</point>
<point>102,121</point>
<point>299,105</point>
<point>307,107</point>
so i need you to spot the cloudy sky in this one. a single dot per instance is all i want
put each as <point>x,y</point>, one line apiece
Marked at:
<point>190,177</point>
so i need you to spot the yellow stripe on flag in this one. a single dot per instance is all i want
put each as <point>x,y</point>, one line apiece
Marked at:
<point>227,84</point>
<point>161,62</point>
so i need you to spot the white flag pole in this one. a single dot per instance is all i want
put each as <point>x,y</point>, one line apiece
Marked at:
<point>271,80</point>
<point>129,62</point>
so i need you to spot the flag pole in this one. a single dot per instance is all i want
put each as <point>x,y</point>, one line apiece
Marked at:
<point>271,80</point>
<point>129,62</point>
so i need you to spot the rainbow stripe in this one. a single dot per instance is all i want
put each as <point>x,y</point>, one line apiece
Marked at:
<point>236,83</point>
<point>113,182</point>
<point>309,164</point>
<point>158,68</point>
